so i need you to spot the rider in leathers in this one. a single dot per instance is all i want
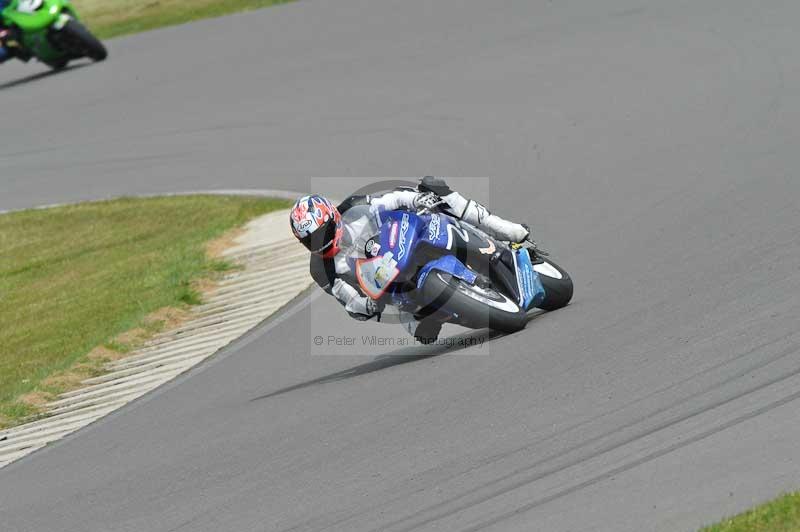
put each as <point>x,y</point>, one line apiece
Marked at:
<point>7,42</point>
<point>333,234</point>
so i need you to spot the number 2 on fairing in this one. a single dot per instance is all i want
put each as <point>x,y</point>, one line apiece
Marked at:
<point>451,228</point>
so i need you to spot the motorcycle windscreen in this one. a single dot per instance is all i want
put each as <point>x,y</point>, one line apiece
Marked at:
<point>375,275</point>
<point>34,15</point>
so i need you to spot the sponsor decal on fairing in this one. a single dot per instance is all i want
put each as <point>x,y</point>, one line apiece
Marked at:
<point>372,248</point>
<point>434,228</point>
<point>403,231</point>
<point>393,235</point>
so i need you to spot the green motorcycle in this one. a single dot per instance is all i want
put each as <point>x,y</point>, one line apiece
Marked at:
<point>50,31</point>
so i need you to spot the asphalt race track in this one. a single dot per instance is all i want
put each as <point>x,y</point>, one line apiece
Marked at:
<point>652,145</point>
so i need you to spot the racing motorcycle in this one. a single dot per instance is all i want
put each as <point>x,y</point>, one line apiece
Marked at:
<point>50,31</point>
<point>431,264</point>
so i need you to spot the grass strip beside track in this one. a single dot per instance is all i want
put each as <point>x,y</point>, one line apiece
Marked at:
<point>73,278</point>
<point>779,515</point>
<point>110,18</point>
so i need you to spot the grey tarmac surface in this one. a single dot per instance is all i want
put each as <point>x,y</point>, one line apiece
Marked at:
<point>652,145</point>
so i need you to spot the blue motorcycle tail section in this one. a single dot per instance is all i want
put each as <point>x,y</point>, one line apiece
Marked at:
<point>530,286</point>
<point>447,264</point>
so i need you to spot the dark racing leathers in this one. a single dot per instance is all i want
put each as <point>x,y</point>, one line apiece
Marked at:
<point>5,35</point>
<point>5,52</point>
<point>360,225</point>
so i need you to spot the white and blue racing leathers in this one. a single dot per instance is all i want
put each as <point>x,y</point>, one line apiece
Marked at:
<point>360,225</point>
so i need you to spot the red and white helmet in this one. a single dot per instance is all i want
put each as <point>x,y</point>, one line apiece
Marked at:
<point>317,224</point>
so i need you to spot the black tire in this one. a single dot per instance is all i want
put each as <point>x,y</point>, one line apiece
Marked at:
<point>557,291</point>
<point>81,41</point>
<point>58,64</point>
<point>442,290</point>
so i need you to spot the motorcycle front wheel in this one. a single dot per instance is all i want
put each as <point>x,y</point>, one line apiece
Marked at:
<point>556,282</point>
<point>79,41</point>
<point>474,306</point>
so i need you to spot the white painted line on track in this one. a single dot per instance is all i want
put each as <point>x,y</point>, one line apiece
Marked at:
<point>184,340</point>
<point>180,341</point>
<point>172,354</point>
<point>118,384</point>
<point>7,459</point>
<point>56,419</point>
<point>176,348</point>
<point>100,401</point>
<point>274,270</point>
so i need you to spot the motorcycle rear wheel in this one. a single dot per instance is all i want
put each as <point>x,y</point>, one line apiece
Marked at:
<point>476,307</point>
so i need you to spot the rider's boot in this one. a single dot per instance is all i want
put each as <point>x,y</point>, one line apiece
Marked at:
<point>427,330</point>
<point>474,213</point>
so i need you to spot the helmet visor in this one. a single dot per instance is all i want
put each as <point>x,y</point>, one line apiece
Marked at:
<point>320,240</point>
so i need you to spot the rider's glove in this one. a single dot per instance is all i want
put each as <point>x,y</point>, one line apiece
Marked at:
<point>426,200</point>
<point>374,307</point>
<point>435,185</point>
<point>528,235</point>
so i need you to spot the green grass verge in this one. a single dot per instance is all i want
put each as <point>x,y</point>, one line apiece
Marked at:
<point>779,515</point>
<point>73,278</point>
<point>110,18</point>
